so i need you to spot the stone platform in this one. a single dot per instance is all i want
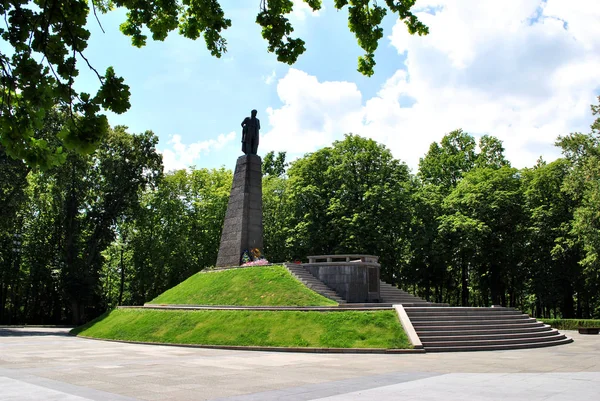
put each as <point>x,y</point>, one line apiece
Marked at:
<point>47,364</point>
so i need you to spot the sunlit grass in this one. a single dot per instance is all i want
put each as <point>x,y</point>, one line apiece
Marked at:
<point>261,285</point>
<point>348,329</point>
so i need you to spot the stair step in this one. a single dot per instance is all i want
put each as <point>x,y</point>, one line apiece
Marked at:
<point>474,322</point>
<point>501,341</point>
<point>405,300</point>
<point>424,328</point>
<point>459,309</point>
<point>435,313</point>
<point>565,340</point>
<point>500,336</point>
<point>310,281</point>
<point>493,331</point>
<point>396,294</point>
<point>451,318</point>
<point>392,294</point>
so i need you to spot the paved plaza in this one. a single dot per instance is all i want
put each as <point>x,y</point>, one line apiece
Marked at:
<point>47,364</point>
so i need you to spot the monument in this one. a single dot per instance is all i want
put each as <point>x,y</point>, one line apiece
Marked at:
<point>250,129</point>
<point>243,227</point>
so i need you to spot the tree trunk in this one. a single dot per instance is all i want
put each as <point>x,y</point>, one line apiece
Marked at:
<point>121,288</point>
<point>465,283</point>
<point>568,303</point>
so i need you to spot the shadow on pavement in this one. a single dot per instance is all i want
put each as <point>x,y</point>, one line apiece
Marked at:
<point>23,331</point>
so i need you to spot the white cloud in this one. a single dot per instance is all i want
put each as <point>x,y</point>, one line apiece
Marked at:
<point>269,79</point>
<point>181,156</point>
<point>523,74</point>
<point>301,10</point>
<point>312,113</point>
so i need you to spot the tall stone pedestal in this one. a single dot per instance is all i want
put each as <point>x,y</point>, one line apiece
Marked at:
<point>243,228</point>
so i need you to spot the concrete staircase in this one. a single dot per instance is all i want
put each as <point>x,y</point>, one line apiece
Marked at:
<point>313,283</point>
<point>480,329</point>
<point>393,295</point>
<point>442,328</point>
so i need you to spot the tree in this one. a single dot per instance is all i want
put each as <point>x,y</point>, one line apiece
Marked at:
<point>440,171</point>
<point>274,165</point>
<point>15,205</point>
<point>276,215</point>
<point>77,206</point>
<point>445,163</point>
<point>48,40</point>
<point>13,185</point>
<point>352,197</point>
<point>173,234</point>
<point>462,235</point>
<point>487,205</point>
<point>554,252</point>
<point>491,153</point>
<point>427,267</point>
<point>583,184</point>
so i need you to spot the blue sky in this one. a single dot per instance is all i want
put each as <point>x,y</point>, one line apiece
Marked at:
<point>525,74</point>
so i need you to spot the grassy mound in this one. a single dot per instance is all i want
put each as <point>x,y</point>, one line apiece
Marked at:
<point>378,329</point>
<point>570,324</point>
<point>251,286</point>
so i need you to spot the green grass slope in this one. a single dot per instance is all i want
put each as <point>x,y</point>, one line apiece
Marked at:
<point>349,329</point>
<point>251,286</point>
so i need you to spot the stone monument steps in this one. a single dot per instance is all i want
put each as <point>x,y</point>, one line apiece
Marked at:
<point>468,331</point>
<point>499,347</point>
<point>393,295</point>
<point>479,329</point>
<point>393,292</point>
<point>400,300</point>
<point>449,326</point>
<point>468,317</point>
<point>460,342</point>
<point>439,312</point>
<point>474,322</point>
<point>462,309</point>
<point>502,336</point>
<point>306,278</point>
<point>396,292</point>
<point>418,304</point>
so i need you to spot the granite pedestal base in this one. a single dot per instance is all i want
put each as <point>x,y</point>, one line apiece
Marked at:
<point>243,227</point>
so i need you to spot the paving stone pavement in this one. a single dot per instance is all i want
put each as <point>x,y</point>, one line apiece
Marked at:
<point>47,364</point>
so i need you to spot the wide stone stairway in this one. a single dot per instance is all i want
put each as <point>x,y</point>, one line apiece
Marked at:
<point>442,328</point>
<point>393,295</point>
<point>313,283</point>
<point>480,329</point>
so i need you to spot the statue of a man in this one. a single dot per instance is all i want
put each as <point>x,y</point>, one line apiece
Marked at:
<point>250,128</point>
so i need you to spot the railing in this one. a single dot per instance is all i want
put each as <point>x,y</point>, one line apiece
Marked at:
<point>346,258</point>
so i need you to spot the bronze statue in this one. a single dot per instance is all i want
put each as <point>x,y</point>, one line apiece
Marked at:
<point>250,129</point>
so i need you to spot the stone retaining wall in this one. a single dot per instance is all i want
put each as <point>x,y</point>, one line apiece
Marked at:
<point>353,281</point>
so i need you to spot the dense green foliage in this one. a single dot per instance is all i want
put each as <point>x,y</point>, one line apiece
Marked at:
<point>175,234</point>
<point>571,324</point>
<point>264,285</point>
<point>379,329</point>
<point>46,42</point>
<point>53,242</point>
<point>466,229</point>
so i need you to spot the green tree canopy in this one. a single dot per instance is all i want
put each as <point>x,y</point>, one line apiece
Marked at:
<point>48,38</point>
<point>485,210</point>
<point>351,197</point>
<point>583,184</point>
